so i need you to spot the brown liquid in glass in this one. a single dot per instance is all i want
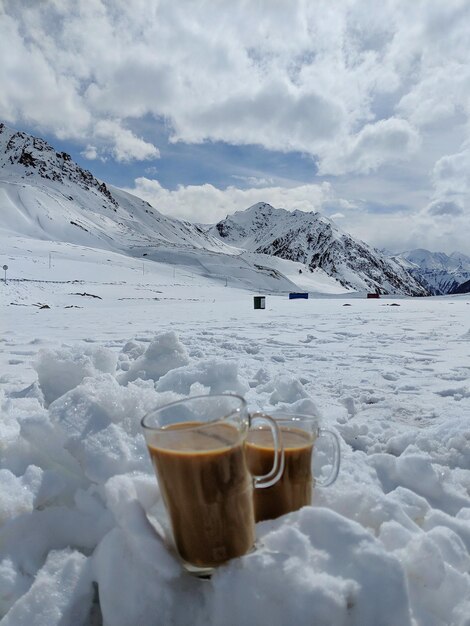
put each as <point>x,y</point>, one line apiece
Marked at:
<point>207,489</point>
<point>294,488</point>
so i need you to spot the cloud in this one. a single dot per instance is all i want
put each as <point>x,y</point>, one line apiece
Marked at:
<point>120,143</point>
<point>44,71</point>
<point>386,141</point>
<point>90,153</point>
<point>347,84</point>
<point>439,96</point>
<point>276,114</point>
<point>451,174</point>
<point>442,207</point>
<point>451,181</point>
<point>409,230</point>
<point>254,181</point>
<point>32,88</point>
<point>126,146</point>
<point>209,204</point>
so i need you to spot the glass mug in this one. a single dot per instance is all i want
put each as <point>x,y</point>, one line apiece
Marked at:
<point>197,447</point>
<point>299,434</point>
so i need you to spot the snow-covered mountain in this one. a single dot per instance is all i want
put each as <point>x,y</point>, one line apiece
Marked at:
<point>315,241</point>
<point>438,272</point>
<point>44,195</point>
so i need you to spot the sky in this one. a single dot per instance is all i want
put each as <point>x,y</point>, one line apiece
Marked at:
<point>357,109</point>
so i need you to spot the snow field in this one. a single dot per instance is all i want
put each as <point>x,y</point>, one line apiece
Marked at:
<point>388,544</point>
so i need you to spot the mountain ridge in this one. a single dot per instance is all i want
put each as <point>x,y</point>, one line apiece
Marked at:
<point>314,240</point>
<point>44,195</point>
<point>47,196</point>
<point>439,272</point>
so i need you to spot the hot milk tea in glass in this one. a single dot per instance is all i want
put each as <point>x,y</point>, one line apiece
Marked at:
<point>299,435</point>
<point>197,447</point>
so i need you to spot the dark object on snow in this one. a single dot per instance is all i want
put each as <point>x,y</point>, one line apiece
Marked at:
<point>394,304</point>
<point>347,305</point>
<point>90,295</point>
<point>373,295</point>
<point>44,306</point>
<point>259,302</point>
<point>297,296</point>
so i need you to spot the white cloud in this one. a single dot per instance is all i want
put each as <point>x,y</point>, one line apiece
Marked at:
<point>310,77</point>
<point>275,114</point>
<point>90,153</point>
<point>444,207</point>
<point>126,146</point>
<point>451,174</point>
<point>31,88</point>
<point>441,95</point>
<point>405,231</point>
<point>386,141</point>
<point>43,73</point>
<point>450,205</point>
<point>255,181</point>
<point>208,204</point>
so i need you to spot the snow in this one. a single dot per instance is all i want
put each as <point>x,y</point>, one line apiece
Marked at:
<point>387,544</point>
<point>60,594</point>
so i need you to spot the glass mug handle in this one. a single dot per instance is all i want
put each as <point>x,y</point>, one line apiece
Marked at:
<point>333,437</point>
<point>267,480</point>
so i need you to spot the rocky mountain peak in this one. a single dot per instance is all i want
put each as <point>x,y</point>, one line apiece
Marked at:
<point>33,156</point>
<point>314,240</point>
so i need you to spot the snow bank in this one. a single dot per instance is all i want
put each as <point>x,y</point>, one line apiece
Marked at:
<point>60,371</point>
<point>60,594</point>
<point>387,545</point>
<point>165,353</point>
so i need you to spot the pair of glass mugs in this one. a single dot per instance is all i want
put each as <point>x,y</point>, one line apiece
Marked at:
<point>221,469</point>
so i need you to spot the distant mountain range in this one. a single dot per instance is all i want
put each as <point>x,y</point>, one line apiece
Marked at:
<point>438,272</point>
<point>45,195</point>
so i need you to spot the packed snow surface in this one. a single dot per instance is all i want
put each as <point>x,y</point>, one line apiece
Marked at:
<point>387,545</point>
